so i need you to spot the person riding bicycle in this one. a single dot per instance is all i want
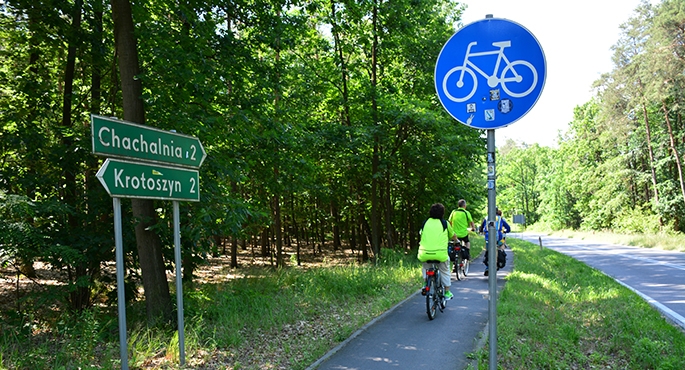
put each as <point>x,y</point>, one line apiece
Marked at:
<point>461,219</point>
<point>501,226</point>
<point>435,235</point>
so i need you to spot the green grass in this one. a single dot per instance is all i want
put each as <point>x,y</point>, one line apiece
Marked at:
<point>558,313</point>
<point>286,318</point>
<point>554,313</point>
<point>663,241</point>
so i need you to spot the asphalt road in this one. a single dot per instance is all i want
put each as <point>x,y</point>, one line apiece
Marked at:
<point>404,337</point>
<point>657,276</point>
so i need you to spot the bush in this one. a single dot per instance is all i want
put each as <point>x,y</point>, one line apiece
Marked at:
<point>19,239</point>
<point>636,220</point>
<point>397,257</point>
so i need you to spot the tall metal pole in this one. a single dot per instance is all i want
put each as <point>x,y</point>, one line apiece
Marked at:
<point>492,250</point>
<point>179,284</point>
<point>121,298</point>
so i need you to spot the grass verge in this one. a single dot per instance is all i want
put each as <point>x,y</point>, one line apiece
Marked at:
<point>262,319</point>
<point>554,313</point>
<point>558,313</point>
<point>663,241</point>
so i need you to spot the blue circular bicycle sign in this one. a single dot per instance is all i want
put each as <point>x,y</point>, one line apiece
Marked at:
<point>490,73</point>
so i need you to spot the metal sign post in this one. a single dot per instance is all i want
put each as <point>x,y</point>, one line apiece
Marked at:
<point>179,283</point>
<point>488,75</point>
<point>121,298</point>
<point>492,251</point>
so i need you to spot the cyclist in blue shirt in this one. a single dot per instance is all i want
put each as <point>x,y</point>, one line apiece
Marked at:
<point>502,227</point>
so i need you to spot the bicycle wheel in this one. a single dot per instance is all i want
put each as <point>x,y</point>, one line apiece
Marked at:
<point>431,299</point>
<point>467,263</point>
<point>520,83</point>
<point>457,266</point>
<point>441,297</point>
<point>458,82</point>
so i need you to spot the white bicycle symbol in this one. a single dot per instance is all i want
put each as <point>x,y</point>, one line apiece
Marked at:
<point>493,80</point>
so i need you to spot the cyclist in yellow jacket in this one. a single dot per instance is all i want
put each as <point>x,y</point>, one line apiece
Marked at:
<point>435,235</point>
<point>461,219</point>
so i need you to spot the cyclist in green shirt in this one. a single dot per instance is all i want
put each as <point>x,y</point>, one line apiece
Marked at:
<point>435,235</point>
<point>461,219</point>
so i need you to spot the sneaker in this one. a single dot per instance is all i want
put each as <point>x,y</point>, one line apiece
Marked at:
<point>423,291</point>
<point>448,295</point>
<point>486,272</point>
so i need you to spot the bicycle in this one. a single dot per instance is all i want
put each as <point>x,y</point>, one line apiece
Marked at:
<point>469,67</point>
<point>462,265</point>
<point>434,290</point>
<point>454,251</point>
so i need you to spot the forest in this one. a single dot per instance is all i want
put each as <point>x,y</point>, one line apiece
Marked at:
<point>619,165</point>
<point>319,119</point>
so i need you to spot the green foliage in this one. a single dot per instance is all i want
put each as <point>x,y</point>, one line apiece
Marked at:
<point>397,258</point>
<point>31,342</point>
<point>294,127</point>
<point>520,180</point>
<point>16,229</point>
<point>637,220</point>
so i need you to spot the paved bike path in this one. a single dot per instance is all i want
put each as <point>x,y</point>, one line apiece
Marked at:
<point>404,337</point>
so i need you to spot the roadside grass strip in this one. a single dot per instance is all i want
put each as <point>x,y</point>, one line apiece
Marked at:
<point>558,313</point>
<point>663,240</point>
<point>261,318</point>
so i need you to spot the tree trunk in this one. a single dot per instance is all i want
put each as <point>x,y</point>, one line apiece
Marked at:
<point>79,298</point>
<point>352,233</point>
<point>296,229</point>
<point>674,148</point>
<point>157,296</point>
<point>96,59</point>
<point>26,264</point>
<point>265,242</point>
<point>276,200</point>
<point>651,153</point>
<point>335,30</point>
<point>375,163</point>
<point>360,235</point>
<point>278,230</point>
<point>389,230</point>
<point>95,94</point>
<point>234,252</point>
<point>335,215</point>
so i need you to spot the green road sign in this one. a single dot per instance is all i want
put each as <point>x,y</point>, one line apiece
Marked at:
<point>117,138</point>
<point>124,179</point>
